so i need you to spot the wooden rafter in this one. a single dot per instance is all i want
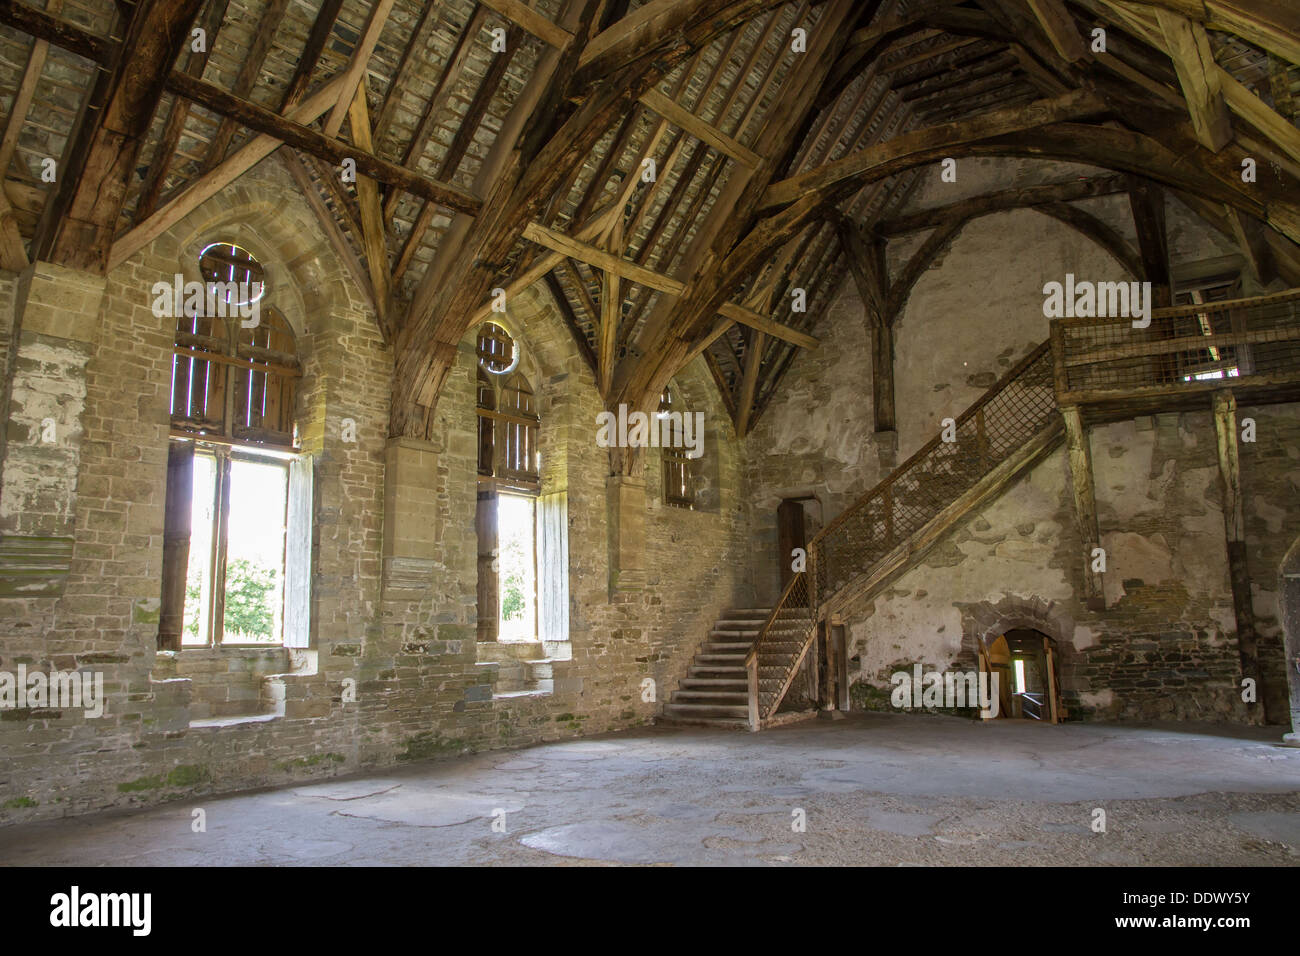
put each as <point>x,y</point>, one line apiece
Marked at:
<point>78,223</point>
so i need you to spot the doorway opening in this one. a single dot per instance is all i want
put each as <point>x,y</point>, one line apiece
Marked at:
<point>1024,662</point>
<point>798,519</point>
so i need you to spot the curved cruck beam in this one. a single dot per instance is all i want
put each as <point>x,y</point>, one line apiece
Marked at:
<point>1192,168</point>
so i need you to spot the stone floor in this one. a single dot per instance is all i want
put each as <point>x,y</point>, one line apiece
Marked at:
<point>881,789</point>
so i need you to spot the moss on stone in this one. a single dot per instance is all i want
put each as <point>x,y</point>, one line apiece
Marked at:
<point>310,761</point>
<point>428,744</point>
<point>20,803</point>
<point>187,775</point>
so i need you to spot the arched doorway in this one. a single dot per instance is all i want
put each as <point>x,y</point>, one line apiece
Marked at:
<point>1024,661</point>
<point>1290,608</point>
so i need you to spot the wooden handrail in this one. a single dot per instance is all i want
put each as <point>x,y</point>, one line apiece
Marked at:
<point>1175,311</point>
<point>771,617</point>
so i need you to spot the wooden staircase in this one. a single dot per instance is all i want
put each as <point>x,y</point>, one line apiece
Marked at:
<point>890,528</point>
<point>714,692</point>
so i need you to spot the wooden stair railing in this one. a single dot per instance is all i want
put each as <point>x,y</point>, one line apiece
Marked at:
<point>1249,345</point>
<point>1006,419</point>
<point>779,649</point>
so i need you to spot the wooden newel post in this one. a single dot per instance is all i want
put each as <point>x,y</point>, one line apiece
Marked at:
<point>751,675</point>
<point>840,655</point>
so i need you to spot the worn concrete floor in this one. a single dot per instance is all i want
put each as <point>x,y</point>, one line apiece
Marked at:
<point>880,789</point>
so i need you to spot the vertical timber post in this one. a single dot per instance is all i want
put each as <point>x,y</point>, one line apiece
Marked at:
<point>1085,503</point>
<point>1234,520</point>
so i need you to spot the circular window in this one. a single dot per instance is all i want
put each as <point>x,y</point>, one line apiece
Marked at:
<point>496,349</point>
<point>665,404</point>
<point>241,276</point>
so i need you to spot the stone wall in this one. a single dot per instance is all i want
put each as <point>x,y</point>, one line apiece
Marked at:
<point>1165,647</point>
<point>392,672</point>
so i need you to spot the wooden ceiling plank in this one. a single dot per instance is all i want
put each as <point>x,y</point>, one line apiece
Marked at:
<point>22,100</point>
<point>698,153</point>
<point>441,93</point>
<point>405,68</point>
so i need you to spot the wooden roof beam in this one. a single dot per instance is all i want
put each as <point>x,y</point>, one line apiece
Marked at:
<point>1074,105</point>
<point>1060,28</point>
<point>357,65</point>
<point>1198,75</point>
<point>680,116</point>
<point>295,134</point>
<point>79,221</point>
<point>522,15</point>
<point>600,259</point>
<point>1017,198</point>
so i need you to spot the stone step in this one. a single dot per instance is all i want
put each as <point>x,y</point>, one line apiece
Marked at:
<point>725,647</point>
<point>718,670</point>
<point>725,697</point>
<point>710,660</point>
<point>730,683</point>
<point>707,710</point>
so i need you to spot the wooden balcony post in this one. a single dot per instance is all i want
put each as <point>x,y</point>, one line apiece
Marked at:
<point>1085,502</point>
<point>1234,520</point>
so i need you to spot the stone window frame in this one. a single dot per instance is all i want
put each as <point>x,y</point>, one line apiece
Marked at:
<point>296,625</point>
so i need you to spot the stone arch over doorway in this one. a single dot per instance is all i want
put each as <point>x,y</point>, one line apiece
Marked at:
<point>987,620</point>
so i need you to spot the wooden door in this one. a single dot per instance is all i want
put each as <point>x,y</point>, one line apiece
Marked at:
<point>789,535</point>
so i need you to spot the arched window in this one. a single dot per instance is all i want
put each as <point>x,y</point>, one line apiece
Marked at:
<point>508,457</point>
<point>509,486</point>
<point>237,528</point>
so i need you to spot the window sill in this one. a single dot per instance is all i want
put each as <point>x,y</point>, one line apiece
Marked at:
<point>233,721</point>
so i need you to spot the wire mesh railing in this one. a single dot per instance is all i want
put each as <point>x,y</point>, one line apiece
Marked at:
<point>1185,348</point>
<point>1008,415</point>
<point>780,647</point>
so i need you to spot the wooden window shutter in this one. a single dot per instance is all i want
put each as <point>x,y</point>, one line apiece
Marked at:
<point>553,566</point>
<point>297,555</point>
<point>176,543</point>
